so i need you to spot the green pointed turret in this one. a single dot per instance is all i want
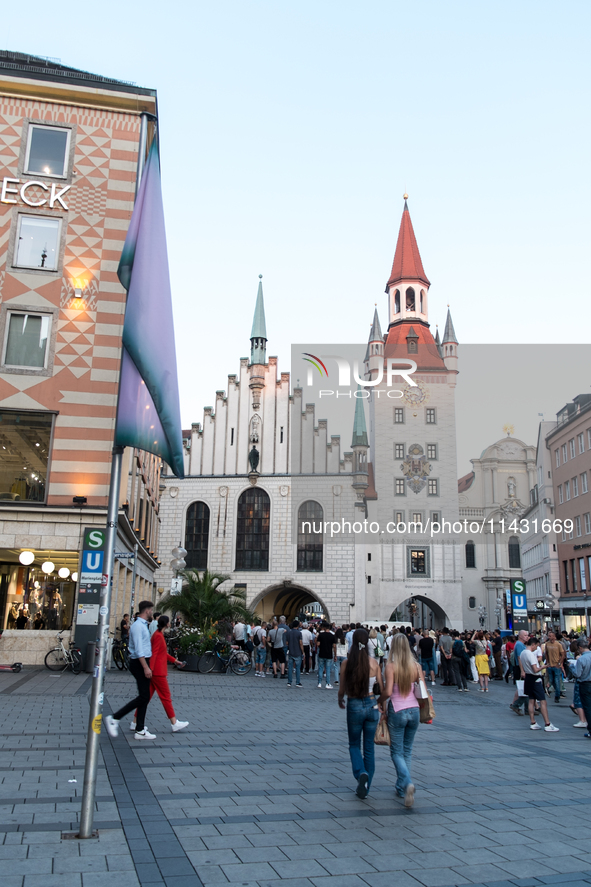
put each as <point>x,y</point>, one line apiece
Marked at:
<point>258,335</point>
<point>359,426</point>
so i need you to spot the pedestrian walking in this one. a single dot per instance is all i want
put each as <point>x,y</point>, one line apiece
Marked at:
<point>402,671</point>
<point>140,652</point>
<point>445,645</point>
<point>458,652</point>
<point>326,654</point>
<point>259,640</point>
<point>554,655</point>
<point>159,680</point>
<point>497,651</point>
<point>359,673</point>
<point>277,650</point>
<point>534,686</point>
<point>426,649</point>
<point>581,668</point>
<point>295,649</point>
<point>307,638</point>
<point>481,659</point>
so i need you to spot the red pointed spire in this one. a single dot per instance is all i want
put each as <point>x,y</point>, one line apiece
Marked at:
<point>407,263</point>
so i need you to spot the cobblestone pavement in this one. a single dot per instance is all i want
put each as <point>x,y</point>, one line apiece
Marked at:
<point>258,790</point>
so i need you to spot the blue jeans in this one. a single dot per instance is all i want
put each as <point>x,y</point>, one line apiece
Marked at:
<point>297,661</point>
<point>337,667</point>
<point>362,720</point>
<point>324,665</point>
<point>555,680</point>
<point>428,665</point>
<point>402,726</point>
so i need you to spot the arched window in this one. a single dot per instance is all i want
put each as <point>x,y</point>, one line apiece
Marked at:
<point>470,554</point>
<point>252,537</point>
<point>514,553</point>
<point>422,301</point>
<point>410,299</point>
<point>472,603</point>
<point>397,302</point>
<point>310,516</point>
<point>197,535</point>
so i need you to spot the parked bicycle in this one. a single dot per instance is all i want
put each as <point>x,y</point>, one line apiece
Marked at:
<point>120,652</point>
<point>230,657</point>
<point>61,658</point>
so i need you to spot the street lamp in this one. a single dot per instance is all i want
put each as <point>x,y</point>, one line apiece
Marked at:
<point>482,615</point>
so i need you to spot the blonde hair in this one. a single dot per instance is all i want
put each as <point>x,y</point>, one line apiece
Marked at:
<point>373,634</point>
<point>405,665</point>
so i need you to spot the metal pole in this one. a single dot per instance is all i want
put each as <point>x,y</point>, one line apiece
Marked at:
<point>133,575</point>
<point>96,696</point>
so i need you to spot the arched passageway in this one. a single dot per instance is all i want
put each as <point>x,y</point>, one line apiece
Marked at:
<point>286,599</point>
<point>421,612</point>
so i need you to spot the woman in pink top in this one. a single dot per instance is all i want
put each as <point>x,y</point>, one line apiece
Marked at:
<point>402,670</point>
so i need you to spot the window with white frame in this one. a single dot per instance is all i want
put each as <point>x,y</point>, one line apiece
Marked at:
<point>567,490</point>
<point>432,487</point>
<point>431,451</point>
<point>47,153</point>
<point>430,416</point>
<point>26,340</point>
<point>37,243</point>
<point>399,415</point>
<point>564,456</point>
<point>575,483</point>
<point>578,529</point>
<point>581,442</point>
<point>400,487</point>
<point>584,487</point>
<point>399,451</point>
<point>557,455</point>
<point>571,446</point>
<point>587,519</point>
<point>560,494</point>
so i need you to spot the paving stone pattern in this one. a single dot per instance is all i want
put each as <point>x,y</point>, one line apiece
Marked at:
<point>258,790</point>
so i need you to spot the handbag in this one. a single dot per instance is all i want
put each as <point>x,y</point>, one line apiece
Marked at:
<point>426,709</point>
<point>420,690</point>
<point>382,735</point>
<point>520,688</point>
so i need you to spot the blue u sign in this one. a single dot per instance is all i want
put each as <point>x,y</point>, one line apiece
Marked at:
<point>519,603</point>
<point>92,566</point>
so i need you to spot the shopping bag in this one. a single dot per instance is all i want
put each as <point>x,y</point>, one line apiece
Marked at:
<point>426,709</point>
<point>520,688</point>
<point>382,736</point>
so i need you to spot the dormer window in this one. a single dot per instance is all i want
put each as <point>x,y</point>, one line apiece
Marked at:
<point>412,346</point>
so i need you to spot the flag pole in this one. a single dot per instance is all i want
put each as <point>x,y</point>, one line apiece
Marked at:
<point>96,697</point>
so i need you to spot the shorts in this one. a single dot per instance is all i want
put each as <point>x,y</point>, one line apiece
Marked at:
<point>428,664</point>
<point>534,687</point>
<point>278,655</point>
<point>260,654</point>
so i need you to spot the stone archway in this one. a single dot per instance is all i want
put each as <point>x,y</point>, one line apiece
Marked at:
<point>284,599</point>
<point>439,619</point>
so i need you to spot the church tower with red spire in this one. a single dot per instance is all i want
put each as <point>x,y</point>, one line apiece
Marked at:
<point>413,462</point>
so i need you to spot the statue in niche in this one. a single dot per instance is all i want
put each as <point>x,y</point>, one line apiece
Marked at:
<point>253,458</point>
<point>511,487</point>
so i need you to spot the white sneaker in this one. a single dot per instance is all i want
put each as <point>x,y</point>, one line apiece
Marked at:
<point>319,686</point>
<point>552,729</point>
<point>432,683</point>
<point>534,727</point>
<point>145,735</point>
<point>132,726</point>
<point>580,724</point>
<point>180,725</point>
<point>329,686</point>
<point>112,726</point>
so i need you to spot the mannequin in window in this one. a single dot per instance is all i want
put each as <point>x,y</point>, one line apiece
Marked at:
<point>253,458</point>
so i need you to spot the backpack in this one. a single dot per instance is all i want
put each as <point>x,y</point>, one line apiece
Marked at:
<point>256,638</point>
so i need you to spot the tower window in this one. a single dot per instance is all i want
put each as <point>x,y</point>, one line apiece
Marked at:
<point>197,535</point>
<point>431,451</point>
<point>281,434</point>
<point>430,416</point>
<point>231,437</point>
<point>514,553</point>
<point>399,415</point>
<point>432,487</point>
<point>470,555</point>
<point>397,302</point>
<point>410,299</point>
<point>400,487</point>
<point>252,537</point>
<point>417,561</point>
<point>310,516</point>
<point>422,302</point>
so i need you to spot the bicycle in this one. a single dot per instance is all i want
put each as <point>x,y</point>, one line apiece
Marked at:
<point>120,654</point>
<point>59,658</point>
<point>237,660</point>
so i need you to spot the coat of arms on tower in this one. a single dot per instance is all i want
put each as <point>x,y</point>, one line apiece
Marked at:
<point>416,468</point>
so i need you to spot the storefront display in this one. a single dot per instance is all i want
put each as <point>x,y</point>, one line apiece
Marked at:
<point>33,597</point>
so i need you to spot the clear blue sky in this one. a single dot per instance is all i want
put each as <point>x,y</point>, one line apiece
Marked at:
<point>289,132</point>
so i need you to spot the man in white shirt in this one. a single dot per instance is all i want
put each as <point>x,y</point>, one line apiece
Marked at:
<point>349,637</point>
<point>306,641</point>
<point>240,633</point>
<point>534,686</point>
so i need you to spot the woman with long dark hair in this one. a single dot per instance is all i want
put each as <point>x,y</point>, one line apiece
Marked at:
<point>359,673</point>
<point>402,671</point>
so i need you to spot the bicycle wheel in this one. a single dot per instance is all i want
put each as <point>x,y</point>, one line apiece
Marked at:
<point>207,662</point>
<point>55,660</point>
<point>118,658</point>
<point>126,658</point>
<point>240,663</point>
<point>75,662</point>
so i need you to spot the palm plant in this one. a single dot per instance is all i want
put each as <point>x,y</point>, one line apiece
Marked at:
<point>202,603</point>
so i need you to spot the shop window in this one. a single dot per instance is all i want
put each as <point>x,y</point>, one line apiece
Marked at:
<point>514,553</point>
<point>252,538</point>
<point>310,517</point>
<point>30,598</point>
<point>197,536</point>
<point>27,336</point>
<point>47,151</point>
<point>37,244</point>
<point>25,439</point>
<point>470,555</point>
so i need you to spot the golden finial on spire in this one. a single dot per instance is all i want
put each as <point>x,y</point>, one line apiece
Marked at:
<point>509,429</point>
<point>405,196</point>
